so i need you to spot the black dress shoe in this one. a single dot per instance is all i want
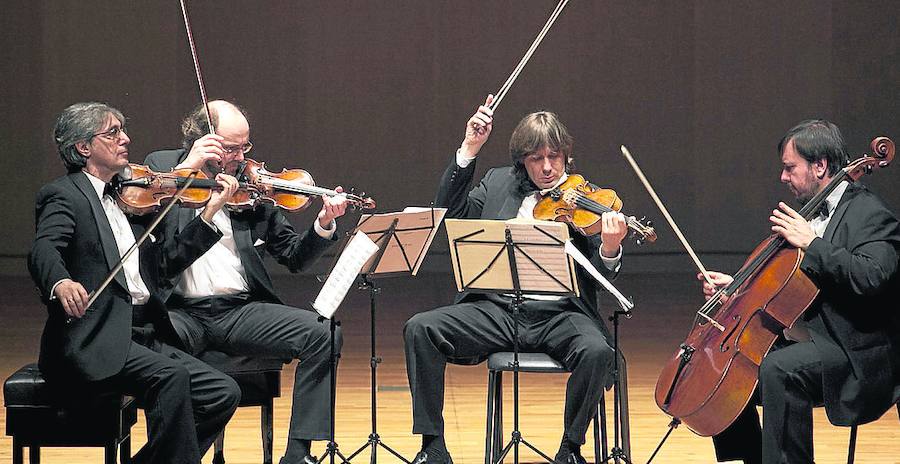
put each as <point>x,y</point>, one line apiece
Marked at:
<point>304,460</point>
<point>569,458</point>
<point>423,458</point>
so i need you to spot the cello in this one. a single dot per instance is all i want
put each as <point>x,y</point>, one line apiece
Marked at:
<point>711,378</point>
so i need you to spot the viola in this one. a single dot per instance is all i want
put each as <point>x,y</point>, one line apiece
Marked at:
<point>289,189</point>
<point>580,203</point>
<point>711,378</point>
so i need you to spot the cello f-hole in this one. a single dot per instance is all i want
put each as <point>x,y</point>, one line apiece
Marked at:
<point>724,346</point>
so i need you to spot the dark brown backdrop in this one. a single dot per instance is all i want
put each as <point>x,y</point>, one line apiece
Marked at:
<point>376,94</point>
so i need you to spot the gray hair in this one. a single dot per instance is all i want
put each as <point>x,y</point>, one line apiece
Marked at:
<point>79,122</point>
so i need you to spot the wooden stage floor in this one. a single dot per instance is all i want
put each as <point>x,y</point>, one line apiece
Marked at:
<point>665,304</point>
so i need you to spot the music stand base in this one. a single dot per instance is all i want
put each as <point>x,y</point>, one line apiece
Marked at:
<point>374,442</point>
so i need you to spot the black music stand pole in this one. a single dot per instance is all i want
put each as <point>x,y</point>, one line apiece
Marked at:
<point>516,437</point>
<point>374,440</point>
<point>331,450</point>
<point>617,454</point>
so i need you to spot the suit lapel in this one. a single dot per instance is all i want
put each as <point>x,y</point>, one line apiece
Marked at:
<point>510,207</point>
<point>838,214</point>
<point>107,239</point>
<point>253,265</point>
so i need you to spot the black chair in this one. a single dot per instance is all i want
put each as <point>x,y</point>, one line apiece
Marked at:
<point>260,382</point>
<point>35,417</point>
<point>498,363</point>
<point>851,449</point>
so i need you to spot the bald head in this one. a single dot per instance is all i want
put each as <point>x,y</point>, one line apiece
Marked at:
<point>229,121</point>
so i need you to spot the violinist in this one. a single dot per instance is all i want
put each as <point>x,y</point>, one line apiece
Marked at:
<point>844,352</point>
<point>124,341</point>
<point>226,299</point>
<point>568,329</point>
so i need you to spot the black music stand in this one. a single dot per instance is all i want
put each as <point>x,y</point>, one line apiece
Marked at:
<point>417,229</point>
<point>538,249</point>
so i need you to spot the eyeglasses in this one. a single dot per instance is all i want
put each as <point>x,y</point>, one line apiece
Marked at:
<point>232,149</point>
<point>114,133</point>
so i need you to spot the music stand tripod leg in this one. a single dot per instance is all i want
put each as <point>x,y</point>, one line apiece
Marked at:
<point>374,440</point>
<point>331,449</point>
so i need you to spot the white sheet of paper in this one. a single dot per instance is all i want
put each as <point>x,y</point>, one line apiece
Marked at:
<point>586,264</point>
<point>355,254</point>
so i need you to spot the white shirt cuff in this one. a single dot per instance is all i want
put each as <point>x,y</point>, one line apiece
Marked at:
<point>323,232</point>
<point>612,263</point>
<point>53,288</point>
<point>461,161</point>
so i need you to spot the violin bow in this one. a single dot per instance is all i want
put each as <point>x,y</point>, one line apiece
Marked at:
<point>518,69</point>
<point>675,228</point>
<point>190,36</point>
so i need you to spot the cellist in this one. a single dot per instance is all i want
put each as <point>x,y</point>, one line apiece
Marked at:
<point>844,352</point>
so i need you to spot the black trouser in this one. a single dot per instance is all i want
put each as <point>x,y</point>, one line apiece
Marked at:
<point>186,402</point>
<point>235,326</point>
<point>475,329</point>
<point>790,386</point>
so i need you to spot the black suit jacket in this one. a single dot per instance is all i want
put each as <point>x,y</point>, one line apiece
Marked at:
<point>73,240</point>
<point>256,231</point>
<point>496,197</point>
<point>855,321</point>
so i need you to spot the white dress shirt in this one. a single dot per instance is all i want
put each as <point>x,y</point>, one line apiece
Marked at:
<point>220,271</point>
<point>124,236</point>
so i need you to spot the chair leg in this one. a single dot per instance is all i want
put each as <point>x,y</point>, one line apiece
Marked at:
<point>489,419</point>
<point>604,436</point>
<point>597,458</point>
<point>267,413</point>
<point>34,454</point>
<point>498,417</point>
<point>219,447</point>
<point>18,452</point>
<point>125,450</point>
<point>851,449</point>
<point>622,388</point>
<point>109,452</point>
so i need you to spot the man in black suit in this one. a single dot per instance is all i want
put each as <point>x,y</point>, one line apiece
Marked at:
<point>570,329</point>
<point>226,300</point>
<point>844,352</point>
<point>124,341</point>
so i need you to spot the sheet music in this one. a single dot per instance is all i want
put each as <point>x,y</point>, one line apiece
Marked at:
<point>416,228</point>
<point>581,259</point>
<point>355,254</point>
<point>541,246</point>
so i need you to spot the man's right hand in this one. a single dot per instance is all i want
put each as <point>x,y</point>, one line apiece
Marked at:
<point>72,296</point>
<point>478,129</point>
<point>218,198</point>
<point>719,280</point>
<point>206,149</point>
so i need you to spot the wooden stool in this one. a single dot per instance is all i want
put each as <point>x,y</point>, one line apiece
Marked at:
<point>35,417</point>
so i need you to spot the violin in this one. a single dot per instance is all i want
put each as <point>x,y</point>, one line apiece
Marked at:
<point>140,190</point>
<point>710,379</point>
<point>580,203</point>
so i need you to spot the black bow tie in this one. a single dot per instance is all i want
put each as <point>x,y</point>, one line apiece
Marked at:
<point>109,189</point>
<point>823,210</point>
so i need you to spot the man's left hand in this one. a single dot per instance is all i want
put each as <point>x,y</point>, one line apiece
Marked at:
<point>613,231</point>
<point>792,226</point>
<point>332,207</point>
